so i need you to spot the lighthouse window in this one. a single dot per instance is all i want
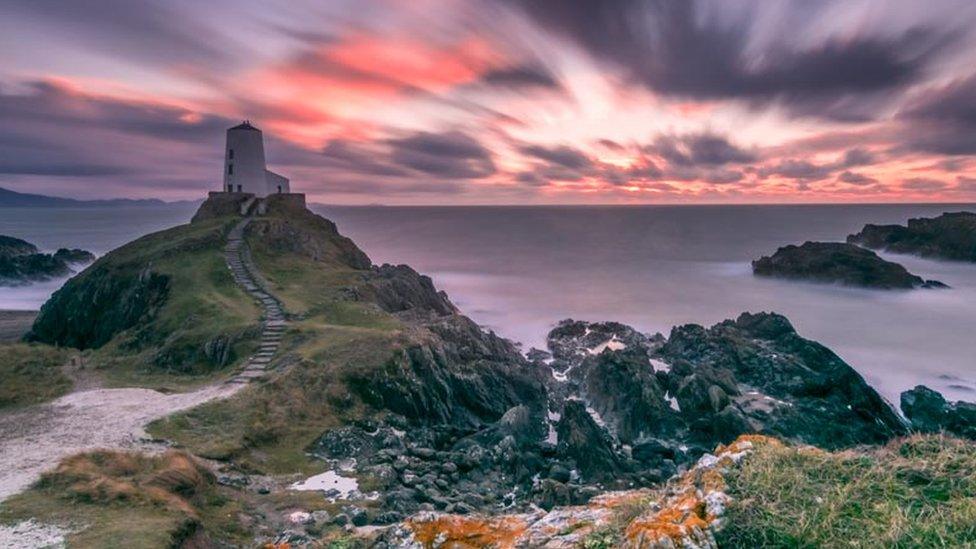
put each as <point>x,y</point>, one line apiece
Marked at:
<point>230,169</point>
<point>231,154</point>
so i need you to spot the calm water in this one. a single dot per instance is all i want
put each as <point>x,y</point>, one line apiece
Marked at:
<point>519,270</point>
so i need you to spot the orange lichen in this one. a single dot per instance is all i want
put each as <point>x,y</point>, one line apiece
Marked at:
<point>461,532</point>
<point>683,512</point>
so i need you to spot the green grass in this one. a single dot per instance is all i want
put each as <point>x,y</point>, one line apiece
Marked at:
<point>30,374</point>
<point>916,492</point>
<point>203,303</point>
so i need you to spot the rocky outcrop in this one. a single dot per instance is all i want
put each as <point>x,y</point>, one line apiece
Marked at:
<point>929,412</point>
<point>837,262</point>
<point>704,386</point>
<point>90,309</point>
<point>21,262</point>
<point>460,376</point>
<point>949,236</point>
<point>298,231</point>
<point>10,246</point>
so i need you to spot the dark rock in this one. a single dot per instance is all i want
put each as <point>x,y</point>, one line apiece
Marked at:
<point>559,473</point>
<point>585,442</point>
<point>463,377</point>
<point>838,262</point>
<point>10,246</point>
<point>74,255</point>
<point>776,382</point>
<point>949,236</point>
<point>398,288</point>
<point>359,516</point>
<point>21,262</point>
<point>622,388</point>
<point>929,412</point>
<point>652,451</point>
<point>219,350</point>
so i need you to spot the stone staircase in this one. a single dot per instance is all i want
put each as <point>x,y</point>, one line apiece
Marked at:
<point>246,275</point>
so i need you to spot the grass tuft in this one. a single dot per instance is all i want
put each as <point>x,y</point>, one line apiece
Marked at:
<point>918,491</point>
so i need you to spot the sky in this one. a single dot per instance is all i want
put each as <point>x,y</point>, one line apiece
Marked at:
<point>496,101</point>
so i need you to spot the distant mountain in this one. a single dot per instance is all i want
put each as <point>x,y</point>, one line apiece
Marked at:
<point>11,199</point>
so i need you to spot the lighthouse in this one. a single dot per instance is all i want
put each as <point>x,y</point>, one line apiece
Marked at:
<point>244,167</point>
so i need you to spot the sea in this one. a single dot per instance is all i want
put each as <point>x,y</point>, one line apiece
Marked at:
<point>519,270</point>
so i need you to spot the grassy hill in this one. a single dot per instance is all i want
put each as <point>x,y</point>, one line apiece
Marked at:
<point>161,311</point>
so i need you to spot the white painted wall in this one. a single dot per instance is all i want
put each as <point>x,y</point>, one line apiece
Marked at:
<point>276,183</point>
<point>244,161</point>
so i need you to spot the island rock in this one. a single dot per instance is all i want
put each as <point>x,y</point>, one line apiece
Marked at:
<point>837,262</point>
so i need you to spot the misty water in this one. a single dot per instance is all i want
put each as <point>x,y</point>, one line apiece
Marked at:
<point>518,270</point>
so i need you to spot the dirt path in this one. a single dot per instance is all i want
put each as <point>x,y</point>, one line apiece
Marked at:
<point>35,439</point>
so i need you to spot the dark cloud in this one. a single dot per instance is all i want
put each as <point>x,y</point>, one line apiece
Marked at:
<point>452,154</point>
<point>943,120</point>
<point>853,178</point>
<point>704,149</point>
<point>923,184</point>
<point>682,48</point>
<point>562,156</point>
<point>857,157</point>
<point>521,77</point>
<point>800,170</point>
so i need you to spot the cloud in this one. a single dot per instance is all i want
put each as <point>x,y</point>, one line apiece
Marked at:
<point>852,178</point>
<point>797,169</point>
<point>451,154</point>
<point>563,156</point>
<point>943,120</point>
<point>709,51</point>
<point>923,184</point>
<point>520,77</point>
<point>702,149</point>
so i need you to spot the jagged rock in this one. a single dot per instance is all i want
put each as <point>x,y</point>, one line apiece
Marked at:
<point>839,263</point>
<point>949,236</point>
<point>219,350</point>
<point>929,412</point>
<point>398,288</point>
<point>585,442</point>
<point>622,388</point>
<point>462,377</point>
<point>783,384</point>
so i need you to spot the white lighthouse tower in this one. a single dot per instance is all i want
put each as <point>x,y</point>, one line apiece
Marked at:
<point>244,167</point>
